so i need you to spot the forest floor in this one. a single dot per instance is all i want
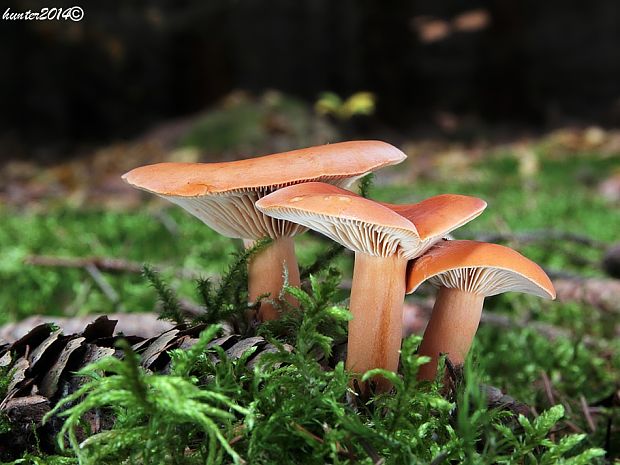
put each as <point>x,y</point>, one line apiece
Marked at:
<point>73,239</point>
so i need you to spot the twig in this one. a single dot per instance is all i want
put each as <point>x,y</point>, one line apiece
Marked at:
<point>572,426</point>
<point>503,321</point>
<point>304,431</point>
<point>548,388</point>
<point>372,453</point>
<point>586,412</point>
<point>549,331</point>
<point>601,293</point>
<point>103,263</point>
<point>167,221</point>
<point>107,264</point>
<point>100,280</point>
<point>563,426</point>
<point>441,458</point>
<point>541,235</point>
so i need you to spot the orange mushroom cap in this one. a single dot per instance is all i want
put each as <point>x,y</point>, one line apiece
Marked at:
<point>436,216</point>
<point>366,226</point>
<point>344,161</point>
<point>222,195</point>
<point>480,268</point>
<point>359,224</point>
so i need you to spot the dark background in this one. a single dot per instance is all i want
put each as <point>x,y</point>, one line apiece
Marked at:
<point>127,65</point>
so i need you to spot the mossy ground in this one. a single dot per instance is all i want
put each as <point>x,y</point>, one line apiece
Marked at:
<point>559,195</point>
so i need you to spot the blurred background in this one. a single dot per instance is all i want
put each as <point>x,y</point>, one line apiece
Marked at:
<point>515,101</point>
<point>461,70</point>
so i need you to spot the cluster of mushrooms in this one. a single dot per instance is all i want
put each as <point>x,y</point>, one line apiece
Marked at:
<point>397,247</point>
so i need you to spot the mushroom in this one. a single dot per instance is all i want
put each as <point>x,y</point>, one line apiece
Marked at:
<point>222,195</point>
<point>466,272</point>
<point>383,242</point>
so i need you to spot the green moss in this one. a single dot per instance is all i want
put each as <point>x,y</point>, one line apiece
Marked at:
<point>291,401</point>
<point>289,409</point>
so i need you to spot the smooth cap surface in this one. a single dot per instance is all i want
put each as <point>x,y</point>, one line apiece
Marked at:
<point>436,216</point>
<point>480,268</point>
<point>344,160</point>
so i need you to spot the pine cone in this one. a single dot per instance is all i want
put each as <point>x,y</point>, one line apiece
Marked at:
<point>41,366</point>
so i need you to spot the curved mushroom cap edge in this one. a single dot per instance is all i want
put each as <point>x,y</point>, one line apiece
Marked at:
<point>480,268</point>
<point>326,162</point>
<point>359,224</point>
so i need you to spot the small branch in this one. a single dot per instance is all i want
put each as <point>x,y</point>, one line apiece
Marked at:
<point>106,264</point>
<point>102,263</point>
<point>307,433</point>
<point>548,388</point>
<point>601,293</point>
<point>586,413</point>
<point>541,236</point>
<point>422,309</point>
<point>549,331</point>
<point>441,458</point>
<point>104,285</point>
<point>372,453</point>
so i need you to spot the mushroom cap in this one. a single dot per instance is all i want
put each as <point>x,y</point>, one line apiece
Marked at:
<point>333,162</point>
<point>366,226</point>
<point>222,195</point>
<point>360,224</point>
<point>436,216</point>
<point>479,268</point>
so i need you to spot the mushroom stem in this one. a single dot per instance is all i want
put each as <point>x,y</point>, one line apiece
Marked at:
<point>375,332</point>
<point>265,274</point>
<point>451,329</point>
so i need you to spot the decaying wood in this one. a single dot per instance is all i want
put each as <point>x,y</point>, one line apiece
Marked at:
<point>601,293</point>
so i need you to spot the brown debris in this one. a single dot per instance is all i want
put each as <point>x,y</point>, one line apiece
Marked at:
<point>37,386</point>
<point>49,384</point>
<point>27,409</point>
<point>498,399</point>
<point>140,324</point>
<point>610,188</point>
<point>157,346</point>
<point>601,293</point>
<point>107,264</point>
<point>38,352</point>
<point>611,261</point>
